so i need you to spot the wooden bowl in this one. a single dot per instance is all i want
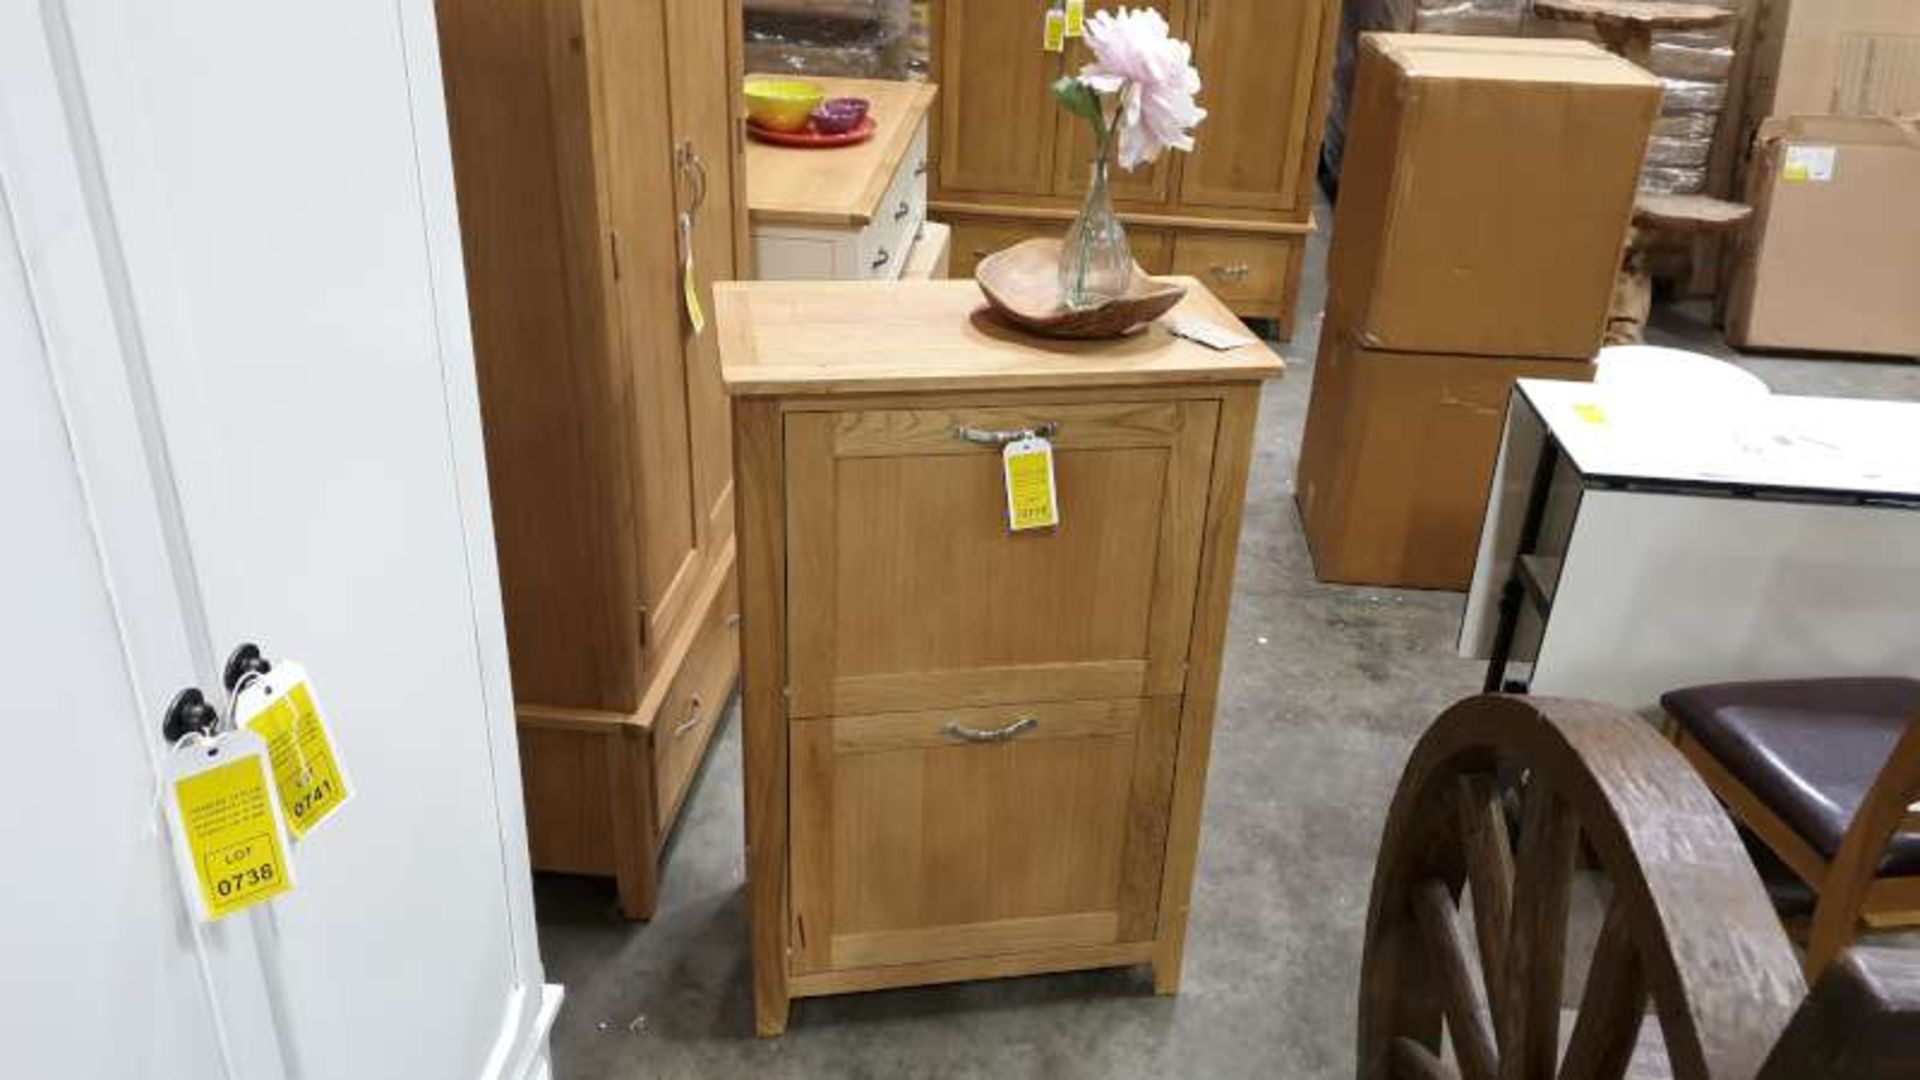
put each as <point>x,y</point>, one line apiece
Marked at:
<point>1023,285</point>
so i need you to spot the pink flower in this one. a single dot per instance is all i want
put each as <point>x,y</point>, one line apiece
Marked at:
<point>1154,78</point>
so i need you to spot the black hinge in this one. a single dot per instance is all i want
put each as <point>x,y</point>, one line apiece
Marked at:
<point>613,249</point>
<point>646,626</point>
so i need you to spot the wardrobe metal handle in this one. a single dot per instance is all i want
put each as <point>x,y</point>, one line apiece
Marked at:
<point>692,721</point>
<point>1236,272</point>
<point>988,437</point>
<point>696,171</point>
<point>955,729</point>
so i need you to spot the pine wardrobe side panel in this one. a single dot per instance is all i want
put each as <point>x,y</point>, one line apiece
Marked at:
<point>554,406</point>
<point>639,173</point>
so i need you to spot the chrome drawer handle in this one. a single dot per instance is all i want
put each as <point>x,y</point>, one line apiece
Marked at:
<point>885,258</point>
<point>986,437</point>
<point>955,729</point>
<point>692,721</point>
<point>1235,272</point>
<point>901,213</point>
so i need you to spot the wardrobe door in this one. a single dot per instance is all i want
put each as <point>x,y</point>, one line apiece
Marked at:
<point>993,71</point>
<point>637,169</point>
<point>1258,62</point>
<point>1150,184</point>
<point>702,36</point>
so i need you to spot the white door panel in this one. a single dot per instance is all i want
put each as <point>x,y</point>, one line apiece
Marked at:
<point>265,195</point>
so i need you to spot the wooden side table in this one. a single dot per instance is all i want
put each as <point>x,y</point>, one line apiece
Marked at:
<point>974,753</point>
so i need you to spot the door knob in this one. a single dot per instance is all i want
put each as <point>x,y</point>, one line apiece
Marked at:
<point>190,713</point>
<point>244,660</point>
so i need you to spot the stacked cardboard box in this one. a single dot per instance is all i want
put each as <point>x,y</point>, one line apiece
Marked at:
<point>1845,57</point>
<point>1830,263</point>
<point>1488,186</point>
<point>1832,260</point>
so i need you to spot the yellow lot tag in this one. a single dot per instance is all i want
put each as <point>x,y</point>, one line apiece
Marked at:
<point>1592,414</point>
<point>689,281</point>
<point>1076,17</point>
<point>696,315</point>
<point>227,825</point>
<point>1032,502</point>
<point>306,770</point>
<point>1056,35</point>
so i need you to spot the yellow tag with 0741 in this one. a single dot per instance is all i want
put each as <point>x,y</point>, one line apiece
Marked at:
<point>1032,502</point>
<point>281,708</point>
<point>1076,17</point>
<point>226,822</point>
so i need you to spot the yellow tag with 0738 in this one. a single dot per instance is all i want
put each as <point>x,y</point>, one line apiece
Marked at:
<point>229,843</point>
<point>1032,501</point>
<point>1054,39</point>
<point>282,709</point>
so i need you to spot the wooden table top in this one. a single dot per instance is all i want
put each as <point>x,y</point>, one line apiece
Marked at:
<point>1643,14</point>
<point>838,337</point>
<point>842,185</point>
<point>1689,213</point>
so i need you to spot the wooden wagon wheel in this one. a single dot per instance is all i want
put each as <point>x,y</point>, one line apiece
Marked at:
<point>1688,924</point>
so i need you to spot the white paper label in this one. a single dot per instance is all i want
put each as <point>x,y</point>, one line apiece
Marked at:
<point>1209,334</point>
<point>1810,164</point>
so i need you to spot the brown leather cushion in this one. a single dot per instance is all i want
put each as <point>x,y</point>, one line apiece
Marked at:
<point>1808,748</point>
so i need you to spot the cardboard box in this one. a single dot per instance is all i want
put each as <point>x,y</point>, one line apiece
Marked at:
<point>1831,262</point>
<point>1842,57</point>
<point>1486,192</point>
<point>1397,460</point>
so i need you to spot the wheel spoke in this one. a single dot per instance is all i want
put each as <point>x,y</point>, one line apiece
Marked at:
<point>1612,1006</point>
<point>1466,1015</point>
<point>1488,850</point>
<point>1535,959</point>
<point>1408,1060</point>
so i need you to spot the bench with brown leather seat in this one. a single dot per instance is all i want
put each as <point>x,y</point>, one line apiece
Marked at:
<point>1806,764</point>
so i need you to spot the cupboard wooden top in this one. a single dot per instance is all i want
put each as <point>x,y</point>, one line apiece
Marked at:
<point>843,185</point>
<point>835,337</point>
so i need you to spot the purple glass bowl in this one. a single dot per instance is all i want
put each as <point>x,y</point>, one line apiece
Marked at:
<point>837,116</point>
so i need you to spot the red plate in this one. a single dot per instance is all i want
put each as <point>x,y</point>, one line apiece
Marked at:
<point>811,139</point>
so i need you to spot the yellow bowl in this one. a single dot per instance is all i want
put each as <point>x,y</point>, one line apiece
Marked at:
<point>782,104</point>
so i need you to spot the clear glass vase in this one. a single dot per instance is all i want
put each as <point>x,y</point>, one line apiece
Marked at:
<point>1096,265</point>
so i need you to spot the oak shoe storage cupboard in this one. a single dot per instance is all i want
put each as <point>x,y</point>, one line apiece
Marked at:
<point>969,752</point>
<point>1010,164</point>
<point>595,150</point>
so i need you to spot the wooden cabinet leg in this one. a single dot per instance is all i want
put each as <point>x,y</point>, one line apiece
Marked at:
<point>770,1017</point>
<point>639,883</point>
<point>1167,965</point>
<point>636,860</point>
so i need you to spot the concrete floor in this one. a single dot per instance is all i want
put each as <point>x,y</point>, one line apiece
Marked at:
<point>1325,690</point>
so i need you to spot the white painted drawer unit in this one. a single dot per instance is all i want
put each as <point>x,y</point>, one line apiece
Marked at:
<point>849,213</point>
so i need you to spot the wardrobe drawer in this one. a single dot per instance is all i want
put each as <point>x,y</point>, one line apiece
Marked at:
<point>928,836</point>
<point>976,238</point>
<point>694,705</point>
<point>1239,269</point>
